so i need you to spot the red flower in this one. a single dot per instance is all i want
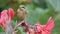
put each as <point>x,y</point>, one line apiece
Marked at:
<point>10,12</point>
<point>44,29</point>
<point>41,29</point>
<point>6,16</point>
<point>3,15</point>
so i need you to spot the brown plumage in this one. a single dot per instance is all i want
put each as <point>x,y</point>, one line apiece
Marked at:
<point>21,12</point>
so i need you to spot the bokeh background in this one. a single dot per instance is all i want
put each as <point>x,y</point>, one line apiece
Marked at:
<point>37,10</point>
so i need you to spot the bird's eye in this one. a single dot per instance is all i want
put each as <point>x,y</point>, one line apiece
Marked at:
<point>23,7</point>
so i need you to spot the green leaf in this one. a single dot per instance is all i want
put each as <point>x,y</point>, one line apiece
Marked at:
<point>20,30</point>
<point>40,3</point>
<point>35,15</point>
<point>1,29</point>
<point>56,24</point>
<point>3,3</point>
<point>55,4</point>
<point>1,32</point>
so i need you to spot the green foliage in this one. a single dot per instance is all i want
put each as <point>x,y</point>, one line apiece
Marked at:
<point>35,15</point>
<point>3,3</point>
<point>55,4</point>
<point>20,29</point>
<point>40,3</point>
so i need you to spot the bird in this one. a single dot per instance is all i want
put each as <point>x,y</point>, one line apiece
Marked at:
<point>21,12</point>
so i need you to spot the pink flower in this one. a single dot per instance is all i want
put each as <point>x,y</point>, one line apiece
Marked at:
<point>40,29</point>
<point>10,13</point>
<point>27,33</point>
<point>2,18</point>
<point>44,29</point>
<point>6,16</point>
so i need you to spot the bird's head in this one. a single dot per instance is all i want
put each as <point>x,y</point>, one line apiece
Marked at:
<point>22,7</point>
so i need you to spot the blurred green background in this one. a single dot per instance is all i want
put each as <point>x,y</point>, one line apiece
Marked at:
<point>37,10</point>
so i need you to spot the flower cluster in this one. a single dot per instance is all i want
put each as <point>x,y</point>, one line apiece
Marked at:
<point>40,29</point>
<point>44,29</point>
<point>6,16</point>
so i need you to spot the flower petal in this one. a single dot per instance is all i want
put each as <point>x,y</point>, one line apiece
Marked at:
<point>10,12</point>
<point>50,24</point>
